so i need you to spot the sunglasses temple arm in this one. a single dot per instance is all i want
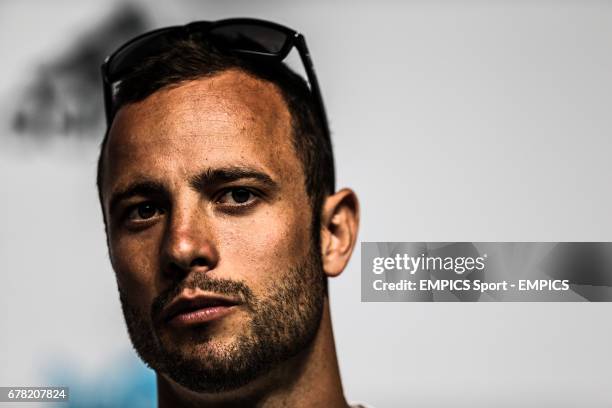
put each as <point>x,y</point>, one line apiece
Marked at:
<point>108,97</point>
<point>312,78</point>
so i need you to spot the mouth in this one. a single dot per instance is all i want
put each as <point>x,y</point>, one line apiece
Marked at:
<point>189,311</point>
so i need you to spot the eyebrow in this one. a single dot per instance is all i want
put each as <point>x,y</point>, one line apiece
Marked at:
<point>213,177</point>
<point>138,188</point>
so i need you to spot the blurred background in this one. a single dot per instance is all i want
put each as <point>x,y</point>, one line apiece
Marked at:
<point>452,120</point>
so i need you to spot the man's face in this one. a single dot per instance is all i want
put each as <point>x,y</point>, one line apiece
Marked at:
<point>205,202</point>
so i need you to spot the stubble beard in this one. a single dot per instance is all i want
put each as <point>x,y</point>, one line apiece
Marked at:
<point>282,324</point>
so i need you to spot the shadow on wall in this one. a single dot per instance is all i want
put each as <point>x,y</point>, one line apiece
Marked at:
<point>66,97</point>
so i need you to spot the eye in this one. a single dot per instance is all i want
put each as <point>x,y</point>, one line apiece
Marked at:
<point>143,212</point>
<point>237,196</point>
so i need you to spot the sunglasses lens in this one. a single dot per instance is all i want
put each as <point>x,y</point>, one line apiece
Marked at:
<point>137,51</point>
<point>250,38</point>
<point>242,37</point>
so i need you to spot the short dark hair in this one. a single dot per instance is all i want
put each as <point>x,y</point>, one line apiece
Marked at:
<point>195,57</point>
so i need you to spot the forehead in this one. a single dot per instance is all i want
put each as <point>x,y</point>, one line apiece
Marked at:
<point>227,119</point>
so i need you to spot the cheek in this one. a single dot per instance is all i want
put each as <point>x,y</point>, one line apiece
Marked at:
<point>135,264</point>
<point>264,248</point>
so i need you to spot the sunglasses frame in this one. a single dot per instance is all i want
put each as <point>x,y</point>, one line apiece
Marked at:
<point>293,39</point>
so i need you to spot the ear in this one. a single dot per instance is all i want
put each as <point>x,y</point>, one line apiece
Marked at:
<point>339,225</point>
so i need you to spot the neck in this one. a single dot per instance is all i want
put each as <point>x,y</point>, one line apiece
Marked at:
<point>309,379</point>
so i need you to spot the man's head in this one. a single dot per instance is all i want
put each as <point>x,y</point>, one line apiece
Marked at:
<point>215,180</point>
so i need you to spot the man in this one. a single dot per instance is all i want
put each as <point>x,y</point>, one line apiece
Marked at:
<point>216,182</point>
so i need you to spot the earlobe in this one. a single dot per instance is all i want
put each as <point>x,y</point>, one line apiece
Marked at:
<point>340,222</point>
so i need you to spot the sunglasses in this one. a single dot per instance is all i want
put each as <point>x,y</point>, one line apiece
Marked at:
<point>244,36</point>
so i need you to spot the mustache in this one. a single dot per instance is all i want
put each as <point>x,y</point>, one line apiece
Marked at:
<point>227,287</point>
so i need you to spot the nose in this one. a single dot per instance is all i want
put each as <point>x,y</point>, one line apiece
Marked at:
<point>188,244</point>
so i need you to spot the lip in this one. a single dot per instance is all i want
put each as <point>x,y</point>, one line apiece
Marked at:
<point>187,311</point>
